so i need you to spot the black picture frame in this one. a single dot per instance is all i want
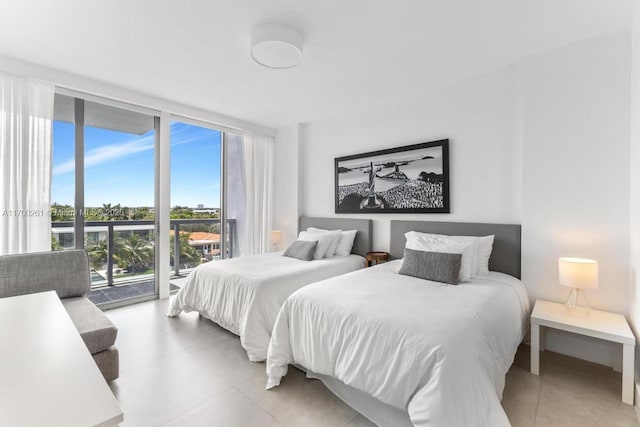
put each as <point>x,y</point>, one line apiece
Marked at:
<point>422,187</point>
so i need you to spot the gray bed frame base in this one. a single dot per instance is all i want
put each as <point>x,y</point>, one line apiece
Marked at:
<point>506,254</point>
<point>363,241</point>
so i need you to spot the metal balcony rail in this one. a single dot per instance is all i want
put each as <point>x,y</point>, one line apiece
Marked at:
<point>176,225</point>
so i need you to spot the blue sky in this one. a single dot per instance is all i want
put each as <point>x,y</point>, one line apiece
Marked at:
<point>119,167</point>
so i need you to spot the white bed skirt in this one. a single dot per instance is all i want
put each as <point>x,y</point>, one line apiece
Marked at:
<point>374,410</point>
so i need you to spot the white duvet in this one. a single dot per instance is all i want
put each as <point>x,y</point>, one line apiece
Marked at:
<point>439,352</point>
<point>245,294</point>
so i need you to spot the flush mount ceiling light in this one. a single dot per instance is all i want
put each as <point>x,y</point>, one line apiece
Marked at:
<point>276,46</point>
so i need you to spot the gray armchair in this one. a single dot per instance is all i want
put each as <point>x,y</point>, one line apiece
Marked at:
<point>67,273</point>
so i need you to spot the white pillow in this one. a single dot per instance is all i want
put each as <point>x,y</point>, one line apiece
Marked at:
<point>324,242</point>
<point>485,247</point>
<point>416,238</point>
<point>335,234</point>
<point>474,257</point>
<point>344,244</point>
<point>464,248</point>
<point>482,247</point>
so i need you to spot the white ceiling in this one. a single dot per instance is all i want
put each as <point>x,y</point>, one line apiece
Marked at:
<point>356,53</point>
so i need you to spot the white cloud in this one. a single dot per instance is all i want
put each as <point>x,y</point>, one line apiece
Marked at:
<point>107,153</point>
<point>180,134</point>
<point>184,134</point>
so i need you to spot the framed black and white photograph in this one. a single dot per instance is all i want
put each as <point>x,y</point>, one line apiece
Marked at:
<point>409,179</point>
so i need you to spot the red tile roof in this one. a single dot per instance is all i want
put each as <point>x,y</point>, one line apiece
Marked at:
<point>202,236</point>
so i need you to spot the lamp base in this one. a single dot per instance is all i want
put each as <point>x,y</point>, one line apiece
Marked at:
<point>577,302</point>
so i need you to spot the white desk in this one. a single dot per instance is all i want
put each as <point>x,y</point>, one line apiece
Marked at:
<point>47,375</point>
<point>598,324</point>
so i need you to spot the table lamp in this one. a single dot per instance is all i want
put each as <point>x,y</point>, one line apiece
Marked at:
<point>276,238</point>
<point>578,274</point>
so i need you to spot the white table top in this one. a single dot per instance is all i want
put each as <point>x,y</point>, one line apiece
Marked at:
<point>598,324</point>
<point>47,375</point>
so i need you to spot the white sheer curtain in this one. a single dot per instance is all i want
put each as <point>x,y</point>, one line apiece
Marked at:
<point>258,184</point>
<point>26,120</point>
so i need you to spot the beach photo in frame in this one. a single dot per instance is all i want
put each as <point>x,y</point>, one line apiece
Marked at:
<point>409,179</point>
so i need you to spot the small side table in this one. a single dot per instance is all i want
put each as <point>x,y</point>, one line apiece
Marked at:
<point>375,258</point>
<point>597,324</point>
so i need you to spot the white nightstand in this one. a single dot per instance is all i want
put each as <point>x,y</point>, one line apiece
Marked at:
<point>598,324</point>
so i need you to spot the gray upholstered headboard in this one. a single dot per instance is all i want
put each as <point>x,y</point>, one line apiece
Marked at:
<point>505,256</point>
<point>362,244</point>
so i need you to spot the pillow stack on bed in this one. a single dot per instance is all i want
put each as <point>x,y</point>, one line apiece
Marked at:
<point>446,259</point>
<point>324,244</point>
<point>327,241</point>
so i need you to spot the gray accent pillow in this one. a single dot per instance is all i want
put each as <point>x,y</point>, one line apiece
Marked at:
<point>301,249</point>
<point>437,266</point>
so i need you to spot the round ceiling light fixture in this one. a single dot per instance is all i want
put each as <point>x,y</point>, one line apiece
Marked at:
<point>276,46</point>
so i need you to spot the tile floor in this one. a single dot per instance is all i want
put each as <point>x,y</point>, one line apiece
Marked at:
<point>187,371</point>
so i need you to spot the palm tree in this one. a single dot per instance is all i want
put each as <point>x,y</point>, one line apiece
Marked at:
<point>98,254</point>
<point>134,251</point>
<point>187,252</point>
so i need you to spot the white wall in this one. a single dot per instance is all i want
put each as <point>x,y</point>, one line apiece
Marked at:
<point>543,143</point>
<point>576,168</point>
<point>478,118</point>
<point>634,235</point>
<point>287,181</point>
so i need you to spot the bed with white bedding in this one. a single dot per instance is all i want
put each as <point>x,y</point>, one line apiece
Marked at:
<point>405,350</point>
<point>244,294</point>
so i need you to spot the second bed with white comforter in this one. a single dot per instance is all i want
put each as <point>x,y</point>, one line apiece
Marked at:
<point>245,294</point>
<point>438,352</point>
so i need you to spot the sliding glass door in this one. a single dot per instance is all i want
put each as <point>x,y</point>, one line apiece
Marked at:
<point>106,186</point>
<point>103,195</point>
<point>196,203</point>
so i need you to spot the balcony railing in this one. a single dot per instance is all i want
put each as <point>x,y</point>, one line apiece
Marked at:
<point>178,226</point>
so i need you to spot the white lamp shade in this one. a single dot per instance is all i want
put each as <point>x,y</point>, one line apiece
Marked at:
<point>276,237</point>
<point>578,273</point>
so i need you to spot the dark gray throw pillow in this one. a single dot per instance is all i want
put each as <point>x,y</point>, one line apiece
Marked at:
<point>436,266</point>
<point>301,249</point>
